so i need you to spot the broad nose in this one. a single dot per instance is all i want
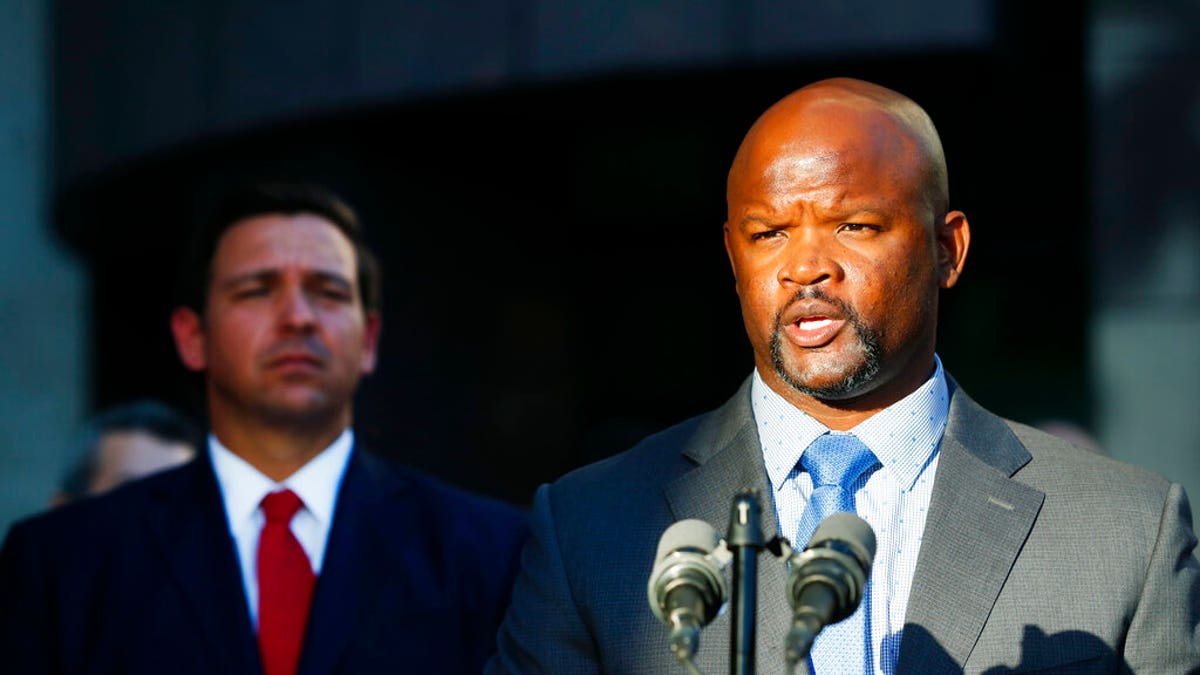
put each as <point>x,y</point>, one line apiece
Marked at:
<point>296,311</point>
<point>810,257</point>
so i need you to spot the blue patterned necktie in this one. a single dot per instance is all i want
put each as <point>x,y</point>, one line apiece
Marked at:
<point>835,462</point>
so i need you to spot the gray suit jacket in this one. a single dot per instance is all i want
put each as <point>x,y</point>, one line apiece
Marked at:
<point>1036,555</point>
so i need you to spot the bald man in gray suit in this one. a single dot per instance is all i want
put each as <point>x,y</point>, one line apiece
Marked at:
<point>1000,548</point>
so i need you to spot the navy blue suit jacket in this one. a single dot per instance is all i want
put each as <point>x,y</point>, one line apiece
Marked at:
<point>145,579</point>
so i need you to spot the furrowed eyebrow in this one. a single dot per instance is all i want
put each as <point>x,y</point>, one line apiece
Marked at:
<point>852,213</point>
<point>840,215</point>
<point>758,220</point>
<point>323,276</point>
<point>255,275</point>
<point>333,277</point>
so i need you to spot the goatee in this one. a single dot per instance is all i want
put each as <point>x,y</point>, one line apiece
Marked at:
<point>859,367</point>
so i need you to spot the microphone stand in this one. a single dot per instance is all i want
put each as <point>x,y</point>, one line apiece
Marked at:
<point>745,541</point>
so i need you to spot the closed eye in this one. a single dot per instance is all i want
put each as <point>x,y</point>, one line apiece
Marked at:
<point>335,294</point>
<point>251,292</point>
<point>332,287</point>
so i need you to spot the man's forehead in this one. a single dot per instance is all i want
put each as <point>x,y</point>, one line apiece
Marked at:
<point>787,170</point>
<point>277,241</point>
<point>823,163</point>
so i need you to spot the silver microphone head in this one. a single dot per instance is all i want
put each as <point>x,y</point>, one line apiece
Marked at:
<point>690,553</point>
<point>839,555</point>
<point>848,529</point>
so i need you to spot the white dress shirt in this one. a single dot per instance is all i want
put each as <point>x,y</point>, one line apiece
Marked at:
<point>243,488</point>
<point>893,499</point>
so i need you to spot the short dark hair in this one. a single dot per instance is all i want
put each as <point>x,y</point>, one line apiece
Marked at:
<point>274,196</point>
<point>147,415</point>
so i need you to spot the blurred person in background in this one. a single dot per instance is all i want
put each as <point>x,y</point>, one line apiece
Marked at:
<point>127,441</point>
<point>285,547</point>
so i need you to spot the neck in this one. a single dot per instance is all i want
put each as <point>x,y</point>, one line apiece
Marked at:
<point>845,414</point>
<point>276,451</point>
<point>836,417</point>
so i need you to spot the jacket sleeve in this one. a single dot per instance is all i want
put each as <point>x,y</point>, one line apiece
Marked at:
<point>1164,634</point>
<point>25,609</point>
<point>543,630</point>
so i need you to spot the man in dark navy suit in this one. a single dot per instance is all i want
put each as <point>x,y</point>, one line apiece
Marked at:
<point>285,547</point>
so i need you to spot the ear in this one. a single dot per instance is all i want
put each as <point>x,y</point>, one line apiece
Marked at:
<point>953,240</point>
<point>370,354</point>
<point>729,254</point>
<point>188,330</point>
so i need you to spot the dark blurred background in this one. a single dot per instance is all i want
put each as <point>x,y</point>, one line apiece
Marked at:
<point>544,183</point>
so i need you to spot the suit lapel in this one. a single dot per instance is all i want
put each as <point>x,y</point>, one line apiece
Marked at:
<point>359,571</point>
<point>978,520</point>
<point>191,531</point>
<point>729,460</point>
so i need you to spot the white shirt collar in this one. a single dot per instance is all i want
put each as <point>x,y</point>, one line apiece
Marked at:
<point>316,483</point>
<point>903,436</point>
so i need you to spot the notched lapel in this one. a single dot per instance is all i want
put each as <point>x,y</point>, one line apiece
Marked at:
<point>707,491</point>
<point>192,533</point>
<point>729,460</point>
<point>364,560</point>
<point>979,518</point>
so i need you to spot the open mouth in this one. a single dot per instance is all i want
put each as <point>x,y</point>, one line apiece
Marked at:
<point>814,331</point>
<point>813,323</point>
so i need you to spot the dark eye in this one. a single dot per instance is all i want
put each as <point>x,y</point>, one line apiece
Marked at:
<point>769,234</point>
<point>857,227</point>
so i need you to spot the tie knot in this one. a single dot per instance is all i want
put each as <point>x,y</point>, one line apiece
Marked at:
<point>837,459</point>
<point>279,507</point>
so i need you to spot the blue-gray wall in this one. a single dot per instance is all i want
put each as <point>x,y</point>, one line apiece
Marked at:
<point>43,303</point>
<point>1144,72</point>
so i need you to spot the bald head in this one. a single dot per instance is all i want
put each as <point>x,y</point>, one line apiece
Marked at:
<point>849,112</point>
<point>840,242</point>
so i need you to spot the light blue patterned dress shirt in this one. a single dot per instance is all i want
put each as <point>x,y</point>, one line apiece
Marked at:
<point>893,499</point>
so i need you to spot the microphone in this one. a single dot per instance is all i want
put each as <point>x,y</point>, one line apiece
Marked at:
<point>686,588</point>
<point>827,579</point>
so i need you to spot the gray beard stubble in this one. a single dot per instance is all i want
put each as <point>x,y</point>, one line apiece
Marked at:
<point>868,347</point>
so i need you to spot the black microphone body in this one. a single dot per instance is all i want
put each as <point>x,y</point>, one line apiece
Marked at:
<point>687,608</point>
<point>827,579</point>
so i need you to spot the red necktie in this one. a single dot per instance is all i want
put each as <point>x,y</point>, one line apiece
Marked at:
<point>285,583</point>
